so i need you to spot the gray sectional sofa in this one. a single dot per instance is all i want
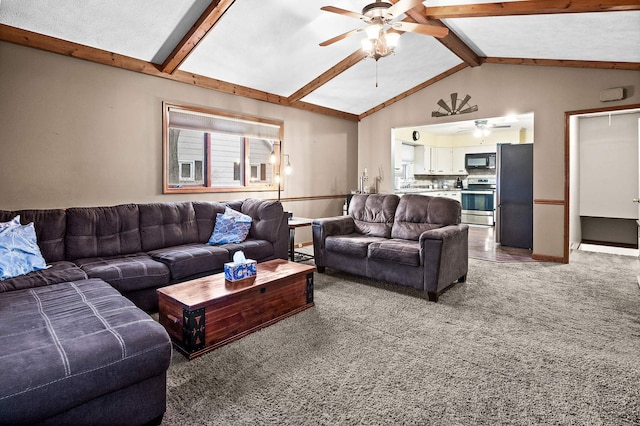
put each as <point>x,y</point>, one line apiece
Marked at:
<point>413,240</point>
<point>76,346</point>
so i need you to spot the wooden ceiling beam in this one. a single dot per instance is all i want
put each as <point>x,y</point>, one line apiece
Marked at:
<point>79,51</point>
<point>328,75</point>
<point>196,33</point>
<point>450,41</point>
<point>324,110</point>
<point>537,7</point>
<point>631,66</point>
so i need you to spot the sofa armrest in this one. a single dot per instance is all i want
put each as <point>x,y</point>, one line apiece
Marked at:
<point>325,227</point>
<point>445,255</point>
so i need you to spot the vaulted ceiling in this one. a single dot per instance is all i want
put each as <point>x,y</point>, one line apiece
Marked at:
<point>269,50</point>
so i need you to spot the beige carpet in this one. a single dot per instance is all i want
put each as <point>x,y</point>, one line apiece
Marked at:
<point>517,344</point>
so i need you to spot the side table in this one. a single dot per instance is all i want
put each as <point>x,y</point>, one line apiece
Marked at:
<point>297,222</point>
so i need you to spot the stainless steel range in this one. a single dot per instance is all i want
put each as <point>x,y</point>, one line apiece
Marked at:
<point>479,200</point>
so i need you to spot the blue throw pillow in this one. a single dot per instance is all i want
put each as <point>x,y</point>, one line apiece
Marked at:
<point>231,227</point>
<point>13,222</point>
<point>19,251</point>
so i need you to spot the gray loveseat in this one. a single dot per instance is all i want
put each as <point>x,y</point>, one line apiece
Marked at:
<point>74,347</point>
<point>413,240</point>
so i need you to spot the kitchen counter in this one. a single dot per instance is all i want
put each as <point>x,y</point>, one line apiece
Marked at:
<point>423,190</point>
<point>454,193</point>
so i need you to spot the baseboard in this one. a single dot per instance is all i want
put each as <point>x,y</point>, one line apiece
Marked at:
<point>611,244</point>
<point>546,258</point>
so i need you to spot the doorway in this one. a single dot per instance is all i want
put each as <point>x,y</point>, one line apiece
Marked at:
<point>436,154</point>
<point>603,162</point>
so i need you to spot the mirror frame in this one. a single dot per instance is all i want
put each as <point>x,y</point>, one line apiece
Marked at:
<point>247,185</point>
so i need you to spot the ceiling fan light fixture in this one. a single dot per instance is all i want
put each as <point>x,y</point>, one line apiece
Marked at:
<point>382,45</point>
<point>373,31</point>
<point>367,46</point>
<point>392,40</point>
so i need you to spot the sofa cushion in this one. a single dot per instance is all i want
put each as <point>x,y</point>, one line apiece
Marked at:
<point>351,244</point>
<point>419,213</point>
<point>127,273</point>
<point>58,272</point>
<point>191,259</point>
<point>50,230</point>
<point>259,250</point>
<point>373,214</point>
<point>69,343</point>
<point>167,224</point>
<point>405,252</point>
<point>102,231</point>
<point>267,217</point>
<point>19,251</point>
<point>206,212</point>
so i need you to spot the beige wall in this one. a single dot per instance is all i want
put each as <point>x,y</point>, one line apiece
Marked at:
<point>76,133</point>
<point>499,90</point>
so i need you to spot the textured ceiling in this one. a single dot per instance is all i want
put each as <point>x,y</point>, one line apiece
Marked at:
<point>273,46</point>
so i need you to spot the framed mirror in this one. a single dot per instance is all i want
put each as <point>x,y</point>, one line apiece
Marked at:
<point>207,150</point>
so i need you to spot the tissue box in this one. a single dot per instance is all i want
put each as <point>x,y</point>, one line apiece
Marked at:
<point>237,271</point>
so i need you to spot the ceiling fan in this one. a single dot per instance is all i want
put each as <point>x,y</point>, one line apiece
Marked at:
<point>381,41</point>
<point>482,127</point>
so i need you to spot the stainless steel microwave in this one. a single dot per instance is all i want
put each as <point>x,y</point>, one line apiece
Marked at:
<point>486,160</point>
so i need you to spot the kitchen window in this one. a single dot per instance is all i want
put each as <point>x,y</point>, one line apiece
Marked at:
<point>207,150</point>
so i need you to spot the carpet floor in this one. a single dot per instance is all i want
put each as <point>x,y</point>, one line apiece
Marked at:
<point>517,344</point>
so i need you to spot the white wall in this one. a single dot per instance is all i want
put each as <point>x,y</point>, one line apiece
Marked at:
<point>498,90</point>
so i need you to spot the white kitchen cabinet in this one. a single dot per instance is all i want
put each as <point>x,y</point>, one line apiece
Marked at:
<point>480,149</point>
<point>458,154</point>
<point>444,161</point>
<point>423,160</point>
<point>419,165</point>
<point>397,157</point>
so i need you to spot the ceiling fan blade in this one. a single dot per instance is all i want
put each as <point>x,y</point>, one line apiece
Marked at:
<point>430,30</point>
<point>438,114</point>
<point>402,6</point>
<point>344,12</point>
<point>444,105</point>
<point>454,100</point>
<point>341,37</point>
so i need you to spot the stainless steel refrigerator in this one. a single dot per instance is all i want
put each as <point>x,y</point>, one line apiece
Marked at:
<point>514,195</point>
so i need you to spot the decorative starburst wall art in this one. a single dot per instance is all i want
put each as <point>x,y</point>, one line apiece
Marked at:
<point>455,107</point>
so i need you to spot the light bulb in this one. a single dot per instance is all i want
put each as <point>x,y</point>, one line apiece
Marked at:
<point>373,31</point>
<point>392,40</point>
<point>272,159</point>
<point>367,46</point>
<point>287,169</point>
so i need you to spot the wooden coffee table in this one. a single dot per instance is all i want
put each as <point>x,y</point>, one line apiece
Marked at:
<point>203,314</point>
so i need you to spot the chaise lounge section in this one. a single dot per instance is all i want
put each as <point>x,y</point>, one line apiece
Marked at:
<point>414,240</point>
<point>76,346</point>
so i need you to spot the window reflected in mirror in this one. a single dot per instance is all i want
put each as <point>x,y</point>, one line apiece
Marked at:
<point>215,151</point>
